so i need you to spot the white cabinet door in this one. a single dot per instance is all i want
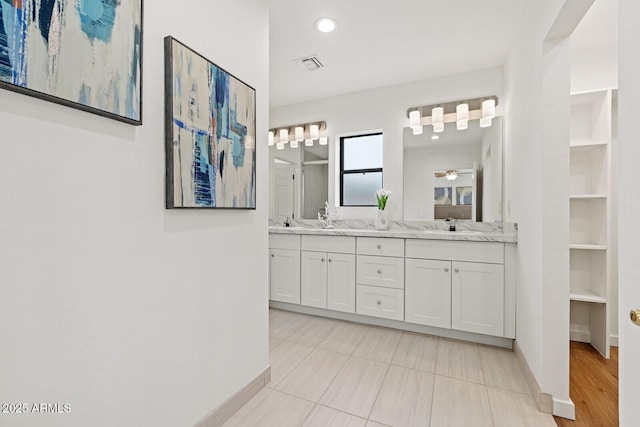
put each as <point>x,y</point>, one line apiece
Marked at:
<point>314,279</point>
<point>428,292</point>
<point>341,282</point>
<point>478,298</point>
<point>284,275</point>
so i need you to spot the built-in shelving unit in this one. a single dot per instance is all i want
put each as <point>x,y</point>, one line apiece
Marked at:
<point>589,223</point>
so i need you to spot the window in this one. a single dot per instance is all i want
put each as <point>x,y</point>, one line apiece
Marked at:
<point>360,169</point>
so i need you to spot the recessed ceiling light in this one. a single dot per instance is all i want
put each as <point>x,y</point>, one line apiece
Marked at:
<point>326,25</point>
<point>434,137</point>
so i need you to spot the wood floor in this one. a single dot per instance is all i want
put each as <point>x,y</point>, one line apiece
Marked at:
<point>593,387</point>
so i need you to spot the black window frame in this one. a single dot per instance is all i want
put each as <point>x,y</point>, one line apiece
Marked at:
<point>355,171</point>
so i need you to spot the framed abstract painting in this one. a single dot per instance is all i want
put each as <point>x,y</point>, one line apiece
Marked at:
<point>85,54</point>
<point>210,132</point>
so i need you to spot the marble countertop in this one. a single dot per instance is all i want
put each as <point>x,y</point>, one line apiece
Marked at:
<point>483,233</point>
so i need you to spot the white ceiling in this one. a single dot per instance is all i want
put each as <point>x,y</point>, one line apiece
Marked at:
<point>380,43</point>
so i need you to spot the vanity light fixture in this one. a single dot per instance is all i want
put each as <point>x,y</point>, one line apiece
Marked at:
<point>437,119</point>
<point>460,112</point>
<point>307,132</point>
<point>284,136</point>
<point>326,24</point>
<point>323,140</point>
<point>462,116</point>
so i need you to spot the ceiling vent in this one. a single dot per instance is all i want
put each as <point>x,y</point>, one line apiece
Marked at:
<point>310,63</point>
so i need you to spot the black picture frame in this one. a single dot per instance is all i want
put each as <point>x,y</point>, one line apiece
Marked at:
<point>216,149</point>
<point>25,88</point>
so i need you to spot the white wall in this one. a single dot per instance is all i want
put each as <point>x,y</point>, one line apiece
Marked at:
<point>594,69</point>
<point>132,314</point>
<point>386,109</point>
<point>535,145</point>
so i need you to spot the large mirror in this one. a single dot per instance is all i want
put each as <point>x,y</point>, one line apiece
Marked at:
<point>459,175</point>
<point>300,181</point>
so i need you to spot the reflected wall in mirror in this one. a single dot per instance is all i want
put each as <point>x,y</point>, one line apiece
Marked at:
<point>299,182</point>
<point>475,155</point>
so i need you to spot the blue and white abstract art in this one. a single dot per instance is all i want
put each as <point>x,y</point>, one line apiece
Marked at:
<point>85,54</point>
<point>210,133</point>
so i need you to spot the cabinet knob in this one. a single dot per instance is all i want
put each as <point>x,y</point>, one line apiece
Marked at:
<point>322,259</point>
<point>273,255</point>
<point>330,260</point>
<point>635,316</point>
<point>379,246</point>
<point>446,269</point>
<point>379,271</point>
<point>379,302</point>
<point>457,270</point>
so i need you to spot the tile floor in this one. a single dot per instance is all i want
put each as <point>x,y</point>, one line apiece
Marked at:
<point>332,373</point>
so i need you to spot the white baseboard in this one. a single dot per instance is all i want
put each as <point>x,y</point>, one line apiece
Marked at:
<point>579,334</point>
<point>613,340</point>
<point>222,413</point>
<point>564,409</point>
<point>395,324</point>
<point>544,401</point>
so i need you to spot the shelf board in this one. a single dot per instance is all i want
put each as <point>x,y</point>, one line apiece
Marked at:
<point>586,296</point>
<point>578,146</point>
<point>588,247</point>
<point>588,196</point>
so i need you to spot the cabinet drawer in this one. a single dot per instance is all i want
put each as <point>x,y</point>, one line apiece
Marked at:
<point>382,246</point>
<point>284,241</point>
<point>490,252</point>
<point>336,244</point>
<point>381,271</point>
<point>380,302</point>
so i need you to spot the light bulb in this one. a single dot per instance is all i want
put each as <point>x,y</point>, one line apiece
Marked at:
<point>415,119</point>
<point>299,133</point>
<point>284,136</point>
<point>485,122</point>
<point>324,140</point>
<point>462,116</point>
<point>488,109</point>
<point>314,132</point>
<point>437,119</point>
<point>294,143</point>
<point>271,138</point>
<point>308,142</point>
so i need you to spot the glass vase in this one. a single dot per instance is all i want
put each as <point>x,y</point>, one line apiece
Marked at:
<point>382,220</point>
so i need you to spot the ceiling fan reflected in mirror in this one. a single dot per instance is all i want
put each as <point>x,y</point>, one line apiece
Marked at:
<point>450,174</point>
